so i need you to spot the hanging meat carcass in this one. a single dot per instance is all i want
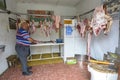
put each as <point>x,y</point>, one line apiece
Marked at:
<point>40,24</point>
<point>56,22</point>
<point>84,28</point>
<point>101,20</point>
<point>32,27</point>
<point>89,38</point>
<point>89,32</point>
<point>46,27</point>
<point>98,22</point>
<point>81,28</point>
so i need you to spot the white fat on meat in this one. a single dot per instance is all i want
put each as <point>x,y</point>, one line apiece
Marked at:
<point>32,27</point>
<point>56,22</point>
<point>99,21</point>
<point>81,28</point>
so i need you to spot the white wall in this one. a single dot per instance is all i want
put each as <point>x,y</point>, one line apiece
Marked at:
<point>7,37</point>
<point>58,10</point>
<point>87,5</point>
<point>101,44</point>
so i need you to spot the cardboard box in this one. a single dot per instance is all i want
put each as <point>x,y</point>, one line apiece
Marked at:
<point>71,61</point>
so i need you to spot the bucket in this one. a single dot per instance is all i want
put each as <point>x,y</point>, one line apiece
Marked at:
<point>80,57</point>
<point>59,40</point>
<point>101,72</point>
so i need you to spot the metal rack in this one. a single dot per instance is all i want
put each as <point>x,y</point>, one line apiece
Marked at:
<point>18,13</point>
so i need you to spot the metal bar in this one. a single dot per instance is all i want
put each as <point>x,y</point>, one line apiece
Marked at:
<point>18,14</point>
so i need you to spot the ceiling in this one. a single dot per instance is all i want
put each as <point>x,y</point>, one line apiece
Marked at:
<point>53,2</point>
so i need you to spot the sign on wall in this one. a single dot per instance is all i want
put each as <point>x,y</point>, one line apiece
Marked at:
<point>69,30</point>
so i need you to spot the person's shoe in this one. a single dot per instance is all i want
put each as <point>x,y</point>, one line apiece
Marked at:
<point>30,67</point>
<point>27,73</point>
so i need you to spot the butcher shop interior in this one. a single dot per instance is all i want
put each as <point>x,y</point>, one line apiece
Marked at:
<point>59,40</point>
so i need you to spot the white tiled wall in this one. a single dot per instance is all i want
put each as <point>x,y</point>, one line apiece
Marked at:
<point>7,37</point>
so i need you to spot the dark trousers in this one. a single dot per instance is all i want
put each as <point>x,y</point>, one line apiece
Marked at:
<point>23,52</point>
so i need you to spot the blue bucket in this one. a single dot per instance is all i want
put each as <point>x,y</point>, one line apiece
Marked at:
<point>59,40</point>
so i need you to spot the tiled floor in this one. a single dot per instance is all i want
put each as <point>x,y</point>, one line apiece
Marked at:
<point>59,71</point>
<point>54,70</point>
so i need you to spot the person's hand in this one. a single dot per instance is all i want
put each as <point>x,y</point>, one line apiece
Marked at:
<point>35,42</point>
